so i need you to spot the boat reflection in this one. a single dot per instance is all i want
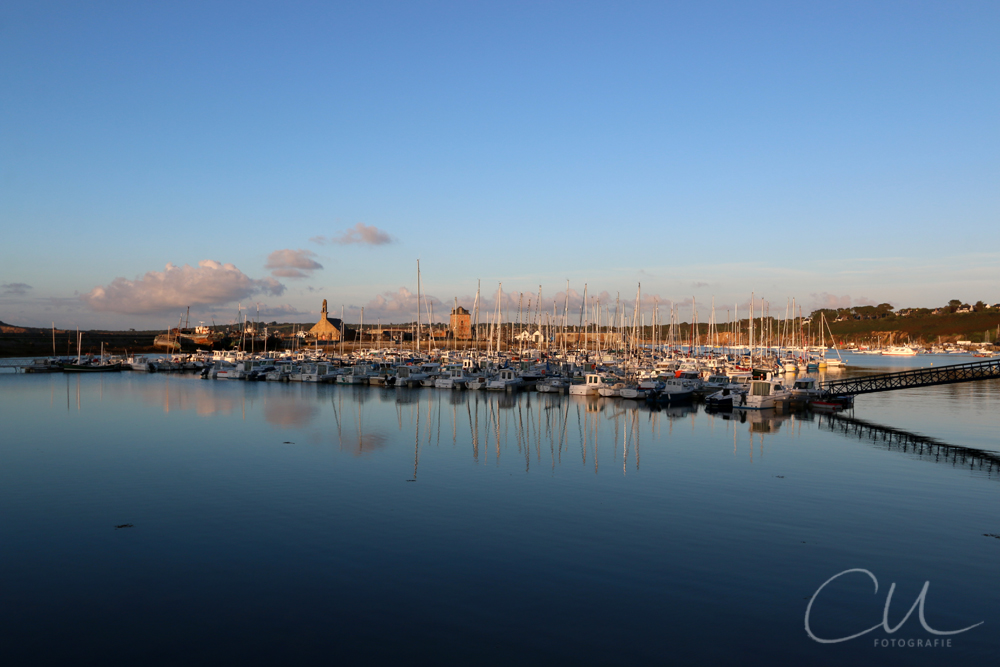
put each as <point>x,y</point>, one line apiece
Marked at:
<point>759,421</point>
<point>913,445</point>
<point>538,430</point>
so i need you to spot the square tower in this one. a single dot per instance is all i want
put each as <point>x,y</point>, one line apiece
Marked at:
<point>460,324</point>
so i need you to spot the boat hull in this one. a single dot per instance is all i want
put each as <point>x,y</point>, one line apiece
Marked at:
<point>89,368</point>
<point>673,397</point>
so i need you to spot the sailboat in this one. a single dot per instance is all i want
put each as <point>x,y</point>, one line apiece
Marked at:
<point>91,365</point>
<point>839,361</point>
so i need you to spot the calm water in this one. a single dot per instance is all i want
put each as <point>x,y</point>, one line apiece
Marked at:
<point>298,524</point>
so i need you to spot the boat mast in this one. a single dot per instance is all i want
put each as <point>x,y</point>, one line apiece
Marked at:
<point>694,324</point>
<point>565,317</point>
<point>418,305</point>
<point>520,296</point>
<point>500,317</point>
<point>430,325</point>
<point>597,328</point>
<point>475,307</point>
<point>538,310</point>
<point>834,339</point>
<point>616,323</point>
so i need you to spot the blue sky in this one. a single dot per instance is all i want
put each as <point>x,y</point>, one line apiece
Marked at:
<point>836,153</point>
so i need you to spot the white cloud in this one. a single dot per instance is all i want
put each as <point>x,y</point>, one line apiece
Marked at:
<point>292,263</point>
<point>210,284</point>
<point>359,233</point>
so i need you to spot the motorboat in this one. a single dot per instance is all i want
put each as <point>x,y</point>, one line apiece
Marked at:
<point>477,382</point>
<point>591,385</point>
<point>552,385</point>
<point>674,391</point>
<point>633,393</point>
<point>805,389</point>
<point>505,380</point>
<point>357,374</point>
<point>763,394</point>
<point>608,390</point>
<point>140,362</point>
<point>722,399</point>
<point>318,373</point>
<point>47,365</point>
<point>453,377</point>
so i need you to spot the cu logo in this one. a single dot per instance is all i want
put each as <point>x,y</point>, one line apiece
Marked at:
<point>918,605</point>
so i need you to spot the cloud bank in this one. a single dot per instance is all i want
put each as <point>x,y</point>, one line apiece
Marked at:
<point>211,283</point>
<point>402,305</point>
<point>834,302</point>
<point>19,289</point>
<point>292,263</point>
<point>359,233</point>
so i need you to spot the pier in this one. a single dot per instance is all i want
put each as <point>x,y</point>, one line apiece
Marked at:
<point>922,377</point>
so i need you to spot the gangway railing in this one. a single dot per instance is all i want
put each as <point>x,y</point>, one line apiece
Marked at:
<point>921,377</point>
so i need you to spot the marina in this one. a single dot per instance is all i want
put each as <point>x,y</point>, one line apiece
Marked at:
<point>724,379</point>
<point>615,528</point>
<point>451,333</point>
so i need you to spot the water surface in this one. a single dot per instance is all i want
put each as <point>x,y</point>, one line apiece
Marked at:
<point>303,523</point>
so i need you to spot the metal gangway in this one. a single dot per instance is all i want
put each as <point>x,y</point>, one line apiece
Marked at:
<point>921,377</point>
